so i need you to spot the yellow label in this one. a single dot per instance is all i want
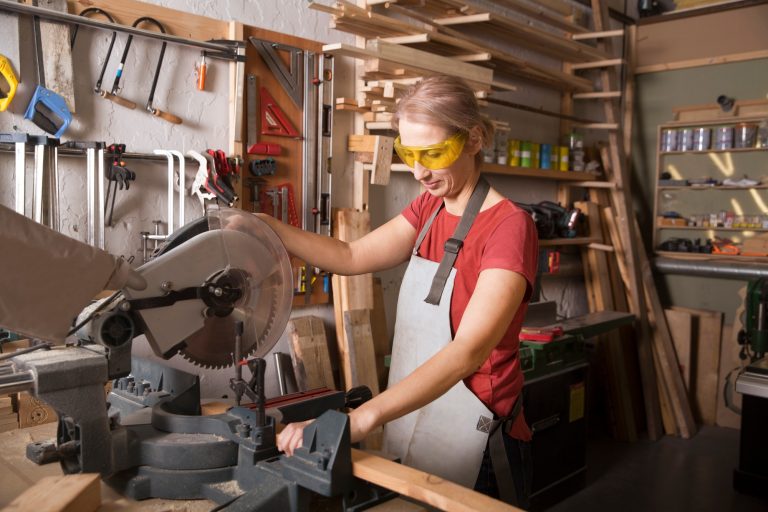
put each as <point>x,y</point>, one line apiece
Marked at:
<point>576,410</point>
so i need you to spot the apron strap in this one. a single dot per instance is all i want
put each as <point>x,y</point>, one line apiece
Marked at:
<point>426,227</point>
<point>453,244</point>
<point>505,481</point>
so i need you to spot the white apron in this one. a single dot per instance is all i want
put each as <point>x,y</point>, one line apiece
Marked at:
<point>448,436</point>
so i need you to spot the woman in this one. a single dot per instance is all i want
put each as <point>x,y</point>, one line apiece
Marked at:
<point>452,406</point>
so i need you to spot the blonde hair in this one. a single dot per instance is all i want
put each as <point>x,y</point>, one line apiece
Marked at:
<point>445,101</point>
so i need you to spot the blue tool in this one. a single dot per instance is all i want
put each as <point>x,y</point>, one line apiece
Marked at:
<point>48,110</point>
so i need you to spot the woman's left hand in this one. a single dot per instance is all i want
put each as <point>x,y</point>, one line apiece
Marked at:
<point>291,437</point>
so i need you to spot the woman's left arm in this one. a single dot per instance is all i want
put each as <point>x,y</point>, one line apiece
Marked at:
<point>497,297</point>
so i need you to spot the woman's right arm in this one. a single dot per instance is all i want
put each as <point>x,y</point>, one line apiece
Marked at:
<point>383,248</point>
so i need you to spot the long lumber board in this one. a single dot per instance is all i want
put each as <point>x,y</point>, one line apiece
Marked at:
<point>413,59</point>
<point>421,486</point>
<point>64,493</point>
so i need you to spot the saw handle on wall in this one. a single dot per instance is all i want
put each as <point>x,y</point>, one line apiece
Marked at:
<point>166,115</point>
<point>6,69</point>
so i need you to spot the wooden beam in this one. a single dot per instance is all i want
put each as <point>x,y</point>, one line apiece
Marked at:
<point>703,61</point>
<point>64,493</point>
<point>382,160</point>
<point>532,10</point>
<point>421,486</point>
<point>597,95</point>
<point>598,35</point>
<point>530,37</point>
<point>309,351</point>
<point>597,64</point>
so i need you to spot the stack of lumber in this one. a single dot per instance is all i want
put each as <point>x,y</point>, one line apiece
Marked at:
<point>455,30</point>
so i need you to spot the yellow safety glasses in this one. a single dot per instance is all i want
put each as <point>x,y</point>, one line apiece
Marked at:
<point>434,156</point>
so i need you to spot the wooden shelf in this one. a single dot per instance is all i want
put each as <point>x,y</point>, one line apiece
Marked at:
<point>547,174</point>
<point>718,187</point>
<point>551,242</point>
<point>692,256</point>
<point>698,228</point>
<point>708,151</point>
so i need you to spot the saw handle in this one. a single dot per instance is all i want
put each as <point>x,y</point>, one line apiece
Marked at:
<point>117,99</point>
<point>166,116</point>
<point>7,71</point>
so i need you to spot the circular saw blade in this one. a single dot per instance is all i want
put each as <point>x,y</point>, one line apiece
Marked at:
<point>258,259</point>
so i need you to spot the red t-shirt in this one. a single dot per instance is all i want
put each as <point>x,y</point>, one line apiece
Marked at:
<point>503,236</point>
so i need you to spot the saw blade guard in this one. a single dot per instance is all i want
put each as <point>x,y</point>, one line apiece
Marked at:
<point>240,253</point>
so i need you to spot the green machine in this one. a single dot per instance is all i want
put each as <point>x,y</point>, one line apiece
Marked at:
<point>755,331</point>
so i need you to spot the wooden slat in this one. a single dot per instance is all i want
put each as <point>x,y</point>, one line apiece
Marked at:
<point>57,54</point>
<point>381,342</point>
<point>309,351</point>
<point>530,37</point>
<point>681,330</point>
<point>597,64</point>
<point>615,163</point>
<point>597,95</point>
<point>708,327</point>
<point>421,486</point>
<point>598,35</point>
<point>382,160</point>
<point>531,10</point>
<point>360,347</point>
<point>67,493</point>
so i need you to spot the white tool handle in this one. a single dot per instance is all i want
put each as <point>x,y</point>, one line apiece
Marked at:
<point>168,155</point>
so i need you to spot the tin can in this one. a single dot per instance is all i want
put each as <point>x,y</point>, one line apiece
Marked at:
<point>525,153</point>
<point>701,139</point>
<point>563,158</point>
<point>513,152</point>
<point>723,137</point>
<point>535,155</point>
<point>668,140</point>
<point>685,139</point>
<point>555,158</point>
<point>745,136</point>
<point>546,156</point>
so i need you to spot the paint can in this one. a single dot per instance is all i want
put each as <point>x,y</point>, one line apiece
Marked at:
<point>701,139</point>
<point>685,139</point>
<point>525,153</point>
<point>563,158</point>
<point>513,152</point>
<point>535,155</point>
<point>546,156</point>
<point>746,135</point>
<point>723,137</point>
<point>668,140</point>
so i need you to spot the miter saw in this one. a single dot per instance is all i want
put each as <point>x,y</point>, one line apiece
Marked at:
<point>218,292</point>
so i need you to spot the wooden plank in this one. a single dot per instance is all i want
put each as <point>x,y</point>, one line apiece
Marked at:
<point>67,493</point>
<point>530,37</point>
<point>382,160</point>
<point>597,64</point>
<point>740,34</point>
<point>430,62</point>
<point>177,23</point>
<point>681,330</point>
<point>350,226</point>
<point>708,326</point>
<point>421,486</point>
<point>598,35</point>
<point>614,162</point>
<point>309,351</point>
<point>678,396</point>
<point>597,95</point>
<point>360,346</point>
<point>362,143</point>
<point>531,10</point>
<point>730,364</point>
<point>381,343</point>
<point>235,106</point>
<point>33,411</point>
<point>57,54</point>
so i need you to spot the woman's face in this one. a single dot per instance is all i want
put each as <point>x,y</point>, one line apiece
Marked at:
<point>451,180</point>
